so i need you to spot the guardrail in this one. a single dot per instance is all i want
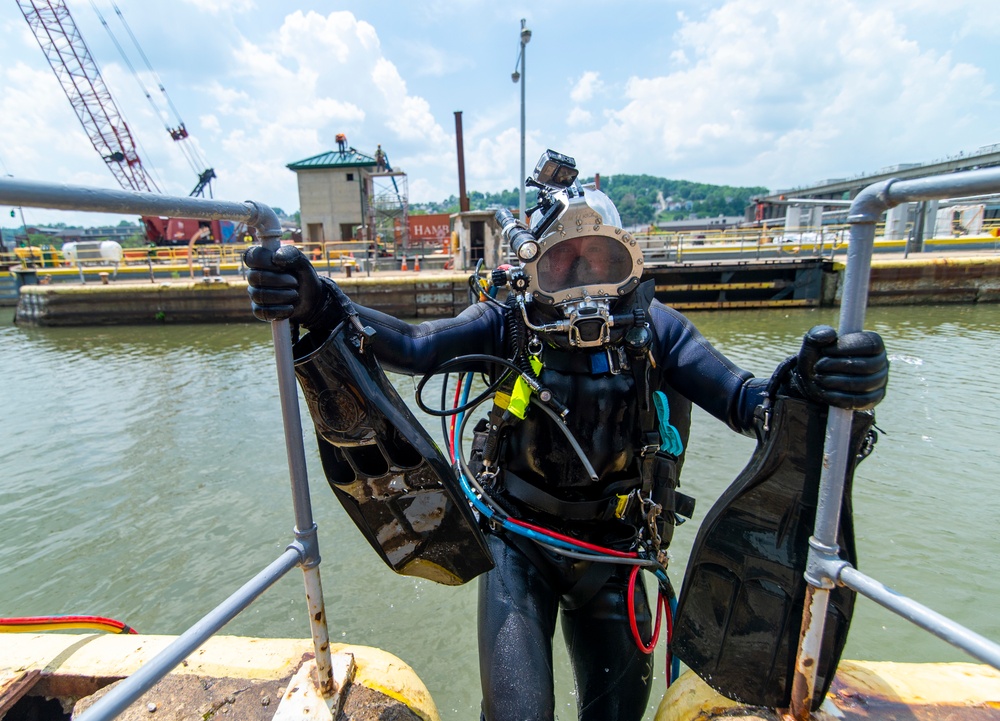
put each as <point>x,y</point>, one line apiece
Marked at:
<point>825,568</point>
<point>303,551</point>
<point>746,244</point>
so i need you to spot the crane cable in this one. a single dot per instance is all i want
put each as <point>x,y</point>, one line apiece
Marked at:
<point>146,155</point>
<point>190,150</point>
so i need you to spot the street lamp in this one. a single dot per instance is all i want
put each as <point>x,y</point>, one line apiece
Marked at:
<point>518,74</point>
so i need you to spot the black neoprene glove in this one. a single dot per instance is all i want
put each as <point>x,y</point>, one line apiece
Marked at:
<point>283,284</point>
<point>849,371</point>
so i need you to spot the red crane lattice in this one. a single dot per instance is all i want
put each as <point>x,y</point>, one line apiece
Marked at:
<point>70,59</point>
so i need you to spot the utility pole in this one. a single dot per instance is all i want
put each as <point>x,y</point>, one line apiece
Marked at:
<point>518,74</point>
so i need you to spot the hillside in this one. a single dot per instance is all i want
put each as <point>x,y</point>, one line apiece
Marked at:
<point>641,199</point>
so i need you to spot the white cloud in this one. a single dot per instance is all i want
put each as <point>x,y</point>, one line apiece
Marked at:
<point>776,89</point>
<point>586,87</point>
<point>578,116</point>
<point>217,7</point>
<point>315,77</point>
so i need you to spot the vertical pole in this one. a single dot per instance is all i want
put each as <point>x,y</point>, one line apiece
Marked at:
<point>305,527</point>
<point>823,545</point>
<point>525,37</point>
<point>463,198</point>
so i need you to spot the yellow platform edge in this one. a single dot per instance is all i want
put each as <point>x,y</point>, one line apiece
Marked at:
<point>116,656</point>
<point>860,690</point>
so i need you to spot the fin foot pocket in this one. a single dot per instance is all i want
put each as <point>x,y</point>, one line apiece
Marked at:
<point>382,465</point>
<point>740,609</point>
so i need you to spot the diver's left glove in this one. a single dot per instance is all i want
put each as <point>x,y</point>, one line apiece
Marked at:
<point>849,371</point>
<point>283,284</point>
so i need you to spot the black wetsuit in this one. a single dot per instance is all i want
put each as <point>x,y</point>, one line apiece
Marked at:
<point>520,598</point>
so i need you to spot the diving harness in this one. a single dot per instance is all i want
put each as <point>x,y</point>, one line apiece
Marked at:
<point>653,506</point>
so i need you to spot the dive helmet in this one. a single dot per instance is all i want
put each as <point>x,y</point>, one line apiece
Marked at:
<point>576,258</point>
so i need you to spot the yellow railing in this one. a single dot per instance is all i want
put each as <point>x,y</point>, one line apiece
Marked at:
<point>829,239</point>
<point>45,257</point>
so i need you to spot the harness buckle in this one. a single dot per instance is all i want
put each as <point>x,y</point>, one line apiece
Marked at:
<point>617,360</point>
<point>623,505</point>
<point>651,510</point>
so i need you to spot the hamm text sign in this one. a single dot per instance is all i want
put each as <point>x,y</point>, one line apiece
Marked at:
<point>430,227</point>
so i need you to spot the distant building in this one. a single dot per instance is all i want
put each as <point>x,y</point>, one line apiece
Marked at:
<point>721,222</point>
<point>331,193</point>
<point>779,207</point>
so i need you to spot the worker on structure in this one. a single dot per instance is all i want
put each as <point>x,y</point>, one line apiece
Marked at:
<point>342,143</point>
<point>380,159</point>
<point>620,371</point>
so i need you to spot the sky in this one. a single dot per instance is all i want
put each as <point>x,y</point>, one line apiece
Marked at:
<point>740,92</point>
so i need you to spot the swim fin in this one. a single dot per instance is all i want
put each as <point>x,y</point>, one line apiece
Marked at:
<point>382,465</point>
<point>740,609</point>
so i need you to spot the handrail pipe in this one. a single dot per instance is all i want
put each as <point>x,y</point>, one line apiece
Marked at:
<point>304,550</point>
<point>824,567</point>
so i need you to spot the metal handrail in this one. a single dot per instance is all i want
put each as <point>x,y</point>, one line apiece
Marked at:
<point>824,567</point>
<point>304,550</point>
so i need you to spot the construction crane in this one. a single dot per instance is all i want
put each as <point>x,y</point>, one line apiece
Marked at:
<point>81,80</point>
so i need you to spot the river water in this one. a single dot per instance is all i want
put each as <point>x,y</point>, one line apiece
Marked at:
<point>143,477</point>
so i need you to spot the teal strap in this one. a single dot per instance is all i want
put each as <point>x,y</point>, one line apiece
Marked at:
<point>670,437</point>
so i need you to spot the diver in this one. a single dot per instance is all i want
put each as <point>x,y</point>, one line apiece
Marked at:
<point>617,372</point>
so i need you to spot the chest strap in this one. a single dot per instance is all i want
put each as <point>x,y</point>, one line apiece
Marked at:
<point>602,509</point>
<point>604,360</point>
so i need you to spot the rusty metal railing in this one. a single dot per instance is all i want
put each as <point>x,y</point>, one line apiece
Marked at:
<point>825,568</point>
<point>304,549</point>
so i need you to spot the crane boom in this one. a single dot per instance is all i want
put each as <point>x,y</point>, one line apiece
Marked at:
<point>81,80</point>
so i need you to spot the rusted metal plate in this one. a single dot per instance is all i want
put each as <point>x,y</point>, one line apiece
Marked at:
<point>861,691</point>
<point>189,698</point>
<point>13,686</point>
<point>916,692</point>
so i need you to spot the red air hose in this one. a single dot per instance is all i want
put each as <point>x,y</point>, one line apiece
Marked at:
<point>642,646</point>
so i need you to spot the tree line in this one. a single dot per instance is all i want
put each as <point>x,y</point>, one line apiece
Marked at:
<point>640,199</point>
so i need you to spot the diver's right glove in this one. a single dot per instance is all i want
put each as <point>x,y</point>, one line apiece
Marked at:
<point>849,371</point>
<point>283,284</point>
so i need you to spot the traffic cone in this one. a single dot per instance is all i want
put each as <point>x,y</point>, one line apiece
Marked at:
<point>404,266</point>
<point>416,264</point>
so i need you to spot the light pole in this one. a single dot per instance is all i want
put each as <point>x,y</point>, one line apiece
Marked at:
<point>518,74</point>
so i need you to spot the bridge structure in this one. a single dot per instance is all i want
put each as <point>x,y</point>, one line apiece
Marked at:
<point>809,207</point>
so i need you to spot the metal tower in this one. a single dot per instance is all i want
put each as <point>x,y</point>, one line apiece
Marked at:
<point>81,80</point>
<point>388,208</point>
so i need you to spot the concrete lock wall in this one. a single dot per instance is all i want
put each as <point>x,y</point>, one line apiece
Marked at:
<point>426,295</point>
<point>806,282</point>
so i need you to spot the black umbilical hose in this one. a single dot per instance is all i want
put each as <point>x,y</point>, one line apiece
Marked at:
<point>551,407</point>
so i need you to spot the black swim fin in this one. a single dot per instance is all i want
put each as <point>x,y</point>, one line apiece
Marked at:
<point>740,609</point>
<point>382,465</point>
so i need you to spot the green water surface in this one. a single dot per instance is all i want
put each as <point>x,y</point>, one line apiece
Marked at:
<point>143,477</point>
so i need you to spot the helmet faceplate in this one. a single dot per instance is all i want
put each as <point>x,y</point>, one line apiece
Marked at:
<point>585,254</point>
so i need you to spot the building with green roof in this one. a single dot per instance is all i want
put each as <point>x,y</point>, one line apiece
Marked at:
<point>331,193</point>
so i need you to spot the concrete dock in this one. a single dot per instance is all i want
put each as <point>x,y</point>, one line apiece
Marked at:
<point>959,277</point>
